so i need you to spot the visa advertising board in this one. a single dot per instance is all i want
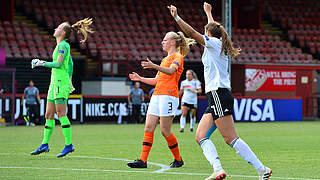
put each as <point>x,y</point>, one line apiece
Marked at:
<point>88,109</point>
<point>256,109</point>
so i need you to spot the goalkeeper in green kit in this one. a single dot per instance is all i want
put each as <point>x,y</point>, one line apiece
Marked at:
<point>61,84</point>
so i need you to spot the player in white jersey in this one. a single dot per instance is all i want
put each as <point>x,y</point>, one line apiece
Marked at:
<point>189,87</point>
<point>217,45</point>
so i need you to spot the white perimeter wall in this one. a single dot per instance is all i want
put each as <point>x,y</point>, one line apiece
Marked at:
<point>105,88</point>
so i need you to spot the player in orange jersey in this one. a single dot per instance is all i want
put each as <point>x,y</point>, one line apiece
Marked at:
<point>165,99</point>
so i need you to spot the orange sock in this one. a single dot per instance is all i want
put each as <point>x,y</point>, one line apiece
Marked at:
<point>146,145</point>
<point>173,146</point>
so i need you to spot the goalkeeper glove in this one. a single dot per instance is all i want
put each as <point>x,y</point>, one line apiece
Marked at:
<point>37,62</point>
<point>72,89</point>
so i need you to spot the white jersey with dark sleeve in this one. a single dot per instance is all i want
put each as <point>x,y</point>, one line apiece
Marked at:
<point>188,96</point>
<point>215,65</point>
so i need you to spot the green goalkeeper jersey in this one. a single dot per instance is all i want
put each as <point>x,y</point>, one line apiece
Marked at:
<point>62,68</point>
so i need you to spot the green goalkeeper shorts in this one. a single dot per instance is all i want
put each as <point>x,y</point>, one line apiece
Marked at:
<point>58,91</point>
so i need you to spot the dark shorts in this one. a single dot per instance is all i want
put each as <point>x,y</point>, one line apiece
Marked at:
<point>220,103</point>
<point>190,106</point>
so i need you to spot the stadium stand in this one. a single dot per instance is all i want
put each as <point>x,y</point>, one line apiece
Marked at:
<point>128,31</point>
<point>300,20</point>
<point>135,29</point>
<point>22,43</point>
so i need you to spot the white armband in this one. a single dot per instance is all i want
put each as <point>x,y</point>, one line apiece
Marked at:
<point>177,18</point>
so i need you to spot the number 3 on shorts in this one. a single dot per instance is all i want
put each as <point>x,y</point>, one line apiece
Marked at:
<point>170,107</point>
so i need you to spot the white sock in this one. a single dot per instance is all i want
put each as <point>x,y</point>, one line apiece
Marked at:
<point>210,152</point>
<point>246,153</point>
<point>192,121</point>
<point>182,122</point>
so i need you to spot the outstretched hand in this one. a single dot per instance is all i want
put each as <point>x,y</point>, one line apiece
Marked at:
<point>147,64</point>
<point>207,7</point>
<point>134,76</point>
<point>173,11</point>
<point>37,62</point>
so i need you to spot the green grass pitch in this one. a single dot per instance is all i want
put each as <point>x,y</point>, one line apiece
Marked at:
<point>291,149</point>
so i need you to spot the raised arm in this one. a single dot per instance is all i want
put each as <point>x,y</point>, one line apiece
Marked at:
<point>151,81</point>
<point>150,65</point>
<point>185,27</point>
<point>62,51</point>
<point>56,64</point>
<point>207,9</point>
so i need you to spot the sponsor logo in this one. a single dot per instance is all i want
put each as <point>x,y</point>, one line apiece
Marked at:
<point>254,110</point>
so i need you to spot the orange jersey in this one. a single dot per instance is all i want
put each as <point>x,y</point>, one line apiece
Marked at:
<point>168,84</point>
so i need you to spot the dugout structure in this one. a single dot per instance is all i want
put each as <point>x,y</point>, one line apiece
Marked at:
<point>7,96</point>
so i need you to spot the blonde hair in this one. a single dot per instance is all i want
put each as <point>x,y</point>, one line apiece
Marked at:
<point>182,42</point>
<point>193,74</point>
<point>81,26</point>
<point>218,31</point>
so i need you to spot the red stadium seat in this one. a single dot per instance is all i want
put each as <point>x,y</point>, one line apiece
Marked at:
<point>139,27</point>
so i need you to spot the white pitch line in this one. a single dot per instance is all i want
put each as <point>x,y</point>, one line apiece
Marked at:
<point>162,166</point>
<point>152,172</point>
<point>163,169</point>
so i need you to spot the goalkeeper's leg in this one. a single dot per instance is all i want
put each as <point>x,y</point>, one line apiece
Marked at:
<point>48,129</point>
<point>61,107</point>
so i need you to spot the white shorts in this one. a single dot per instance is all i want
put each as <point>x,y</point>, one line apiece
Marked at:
<point>163,105</point>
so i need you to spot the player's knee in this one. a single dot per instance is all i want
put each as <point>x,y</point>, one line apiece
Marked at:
<point>165,132</point>
<point>199,137</point>
<point>229,139</point>
<point>49,115</point>
<point>61,114</point>
<point>184,112</point>
<point>148,129</point>
<point>226,140</point>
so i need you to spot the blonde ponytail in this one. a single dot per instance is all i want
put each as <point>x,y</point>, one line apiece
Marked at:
<point>182,42</point>
<point>82,27</point>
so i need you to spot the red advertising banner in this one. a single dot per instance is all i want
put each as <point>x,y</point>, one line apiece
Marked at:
<point>270,80</point>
